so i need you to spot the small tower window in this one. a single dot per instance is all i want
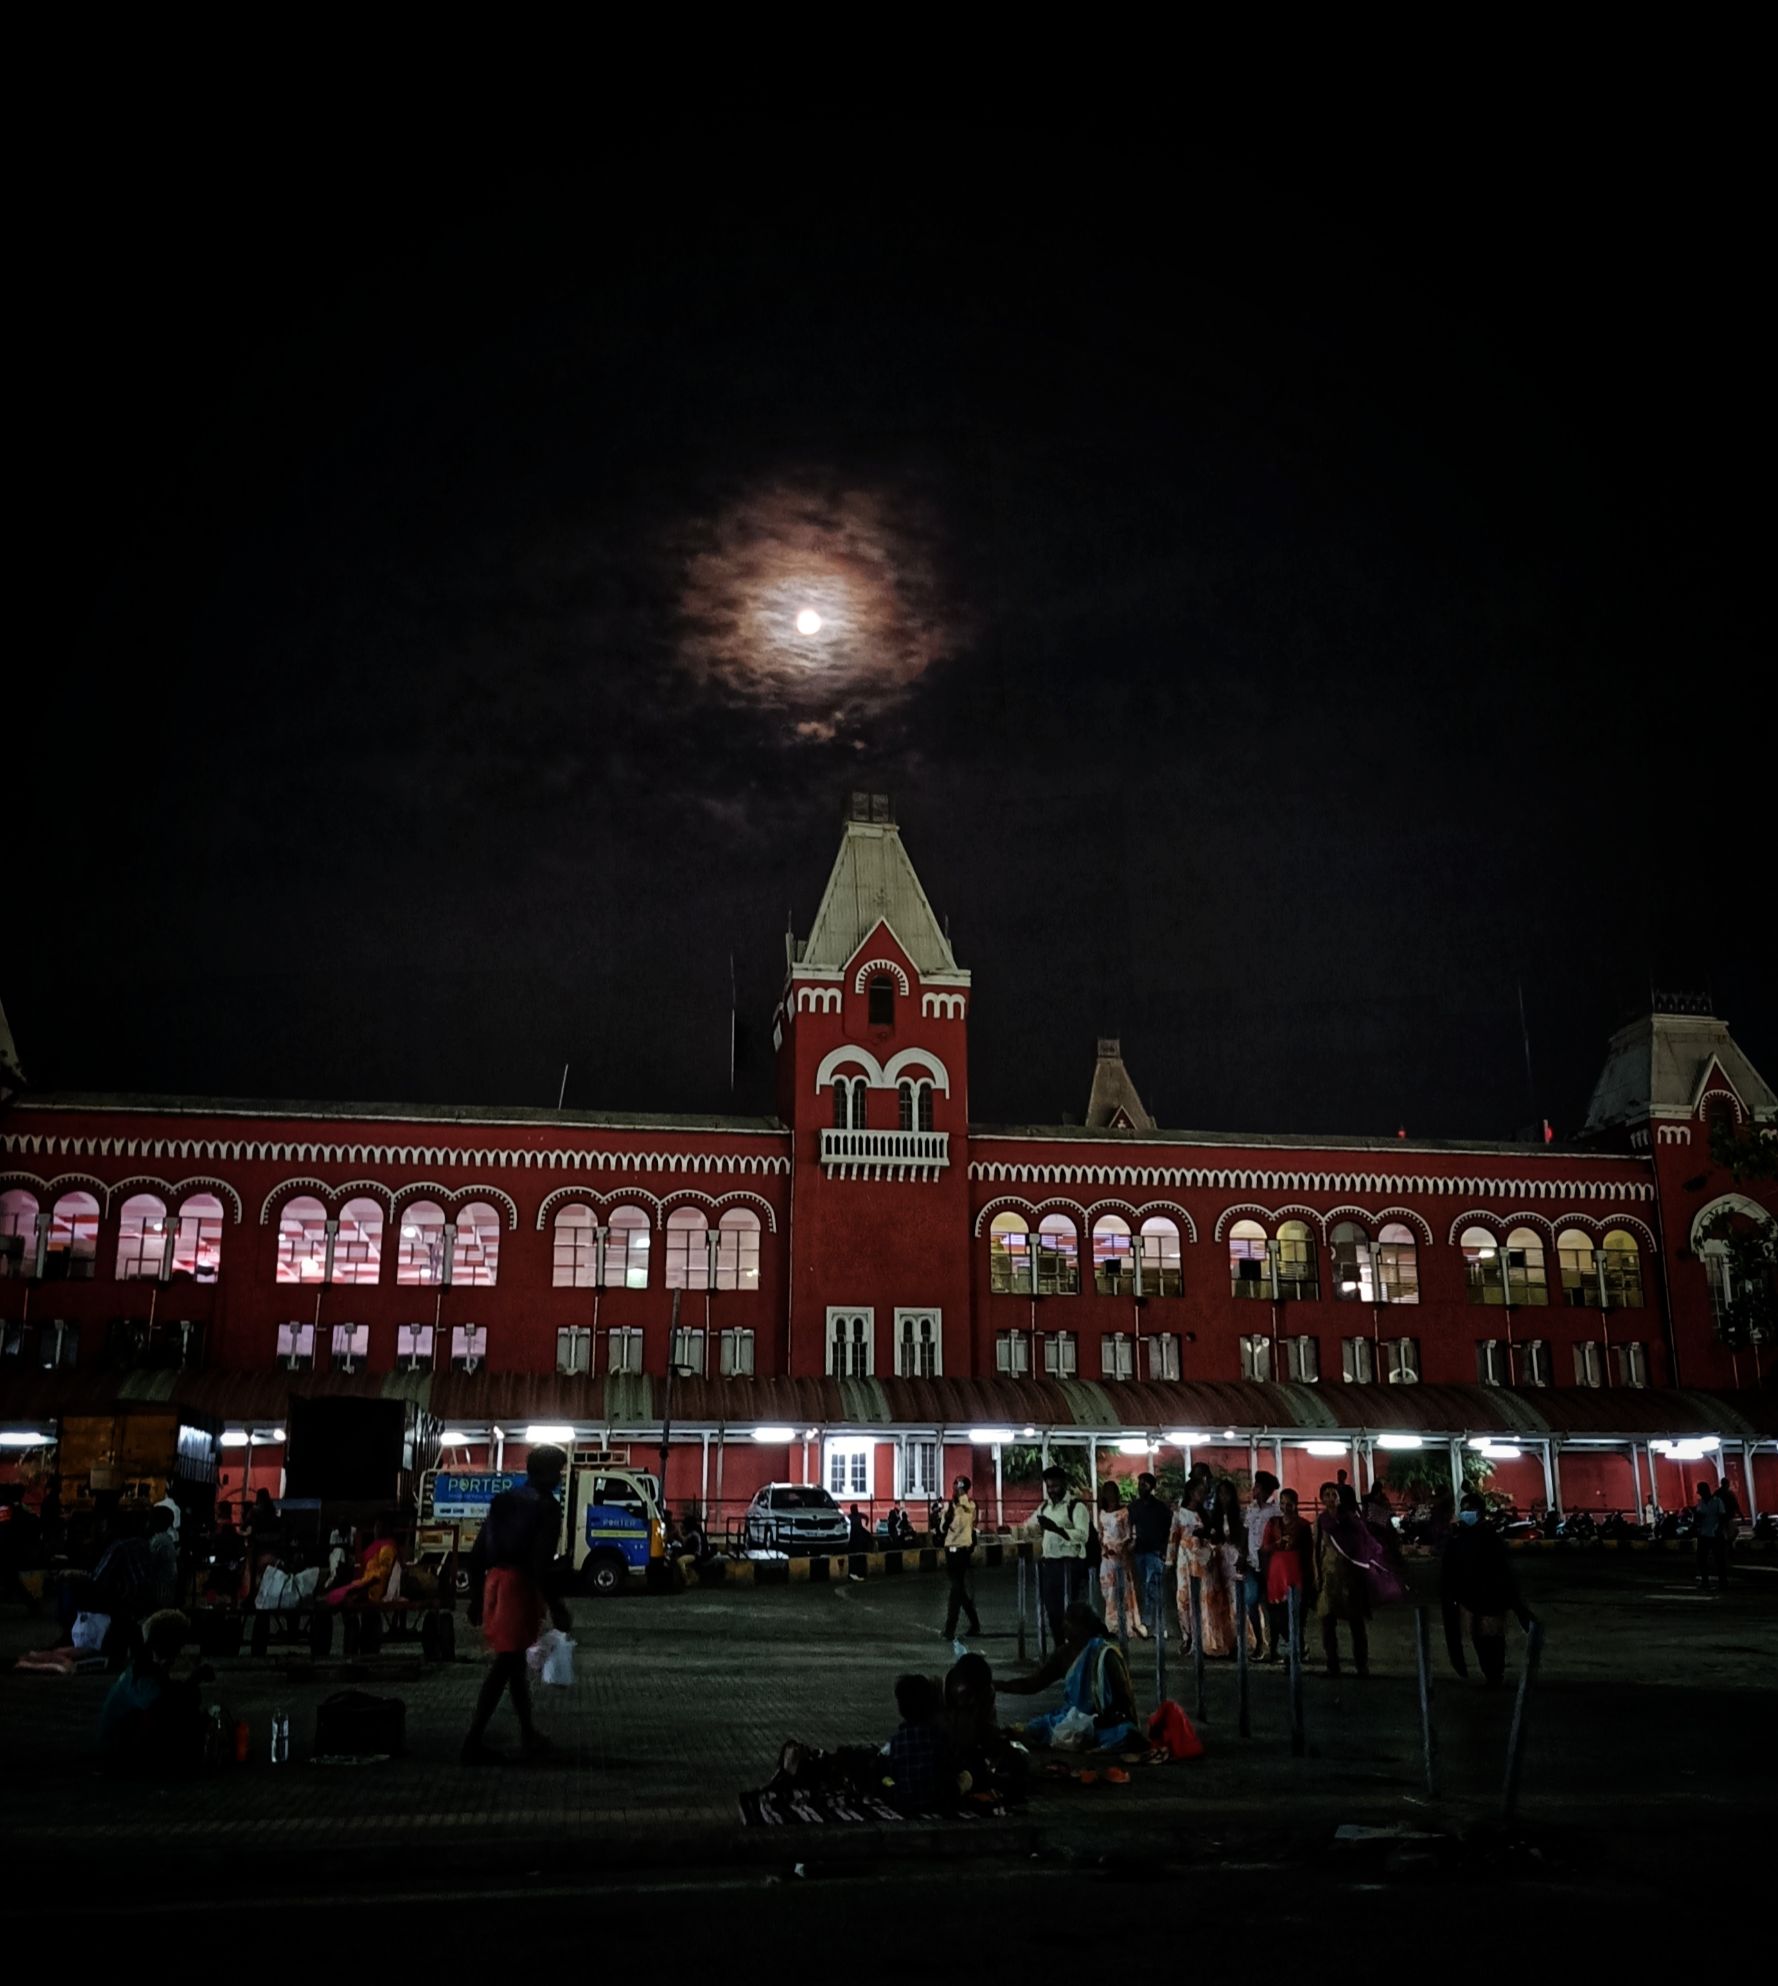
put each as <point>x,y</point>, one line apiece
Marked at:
<point>882,1001</point>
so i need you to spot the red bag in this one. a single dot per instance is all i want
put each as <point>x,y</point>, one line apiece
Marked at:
<point>1170,1730</point>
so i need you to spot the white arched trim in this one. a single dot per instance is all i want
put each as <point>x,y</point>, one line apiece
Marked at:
<point>1375,1222</point>
<point>1504,1223</point>
<point>65,1181</point>
<point>551,1201</point>
<point>462,1193</point>
<point>29,1179</point>
<point>401,1193</point>
<point>941,1006</point>
<point>163,1186</point>
<point>1230,1215</point>
<point>621,1196</point>
<point>1729,1096</point>
<point>1109,1207</point>
<point>173,1191</point>
<point>817,999</point>
<point>1273,1215</point>
<point>1006,1204</point>
<point>185,1187</point>
<point>285,1188</point>
<point>373,1187</point>
<point>916,1058</point>
<point>837,1060</point>
<point>1062,1207</point>
<point>865,972</point>
<point>682,1196</point>
<point>738,1199</point>
<point>1725,1203</point>
<point>1175,1210</point>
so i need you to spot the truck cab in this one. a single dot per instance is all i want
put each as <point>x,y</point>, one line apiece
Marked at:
<point>612,1527</point>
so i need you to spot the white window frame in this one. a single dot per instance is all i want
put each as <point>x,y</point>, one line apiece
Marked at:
<point>908,1343</point>
<point>735,1352</point>
<point>1534,1362</point>
<point>1163,1354</point>
<point>577,1340</point>
<point>1012,1353</point>
<point>1117,1355</point>
<point>623,1349</point>
<point>1590,1363</point>
<point>853,1315</point>
<point>416,1347</point>
<point>1302,1359</point>
<point>349,1347</point>
<point>1401,1361</point>
<point>1256,1356</point>
<point>923,1468</point>
<point>1629,1362</point>
<point>1358,1361</point>
<point>1492,1365</point>
<point>469,1347</point>
<point>688,1346</point>
<point>296,1347</point>
<point>1061,1354</point>
<point>856,1454</point>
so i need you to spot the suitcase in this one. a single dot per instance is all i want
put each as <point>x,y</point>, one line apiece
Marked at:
<point>355,1724</point>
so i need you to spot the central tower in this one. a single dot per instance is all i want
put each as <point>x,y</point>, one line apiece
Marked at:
<point>873,1079</point>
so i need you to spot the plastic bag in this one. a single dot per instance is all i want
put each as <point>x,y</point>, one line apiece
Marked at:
<point>558,1662</point>
<point>1073,1731</point>
<point>90,1631</point>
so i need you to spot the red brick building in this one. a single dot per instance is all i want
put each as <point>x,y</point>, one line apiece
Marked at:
<point>873,1290</point>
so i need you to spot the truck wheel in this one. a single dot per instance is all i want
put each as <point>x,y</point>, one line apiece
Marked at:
<point>605,1574</point>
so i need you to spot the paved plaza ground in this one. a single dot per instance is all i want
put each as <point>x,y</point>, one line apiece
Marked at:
<point>1652,1725</point>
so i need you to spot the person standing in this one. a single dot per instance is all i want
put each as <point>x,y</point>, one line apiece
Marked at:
<point>1151,1524</point>
<point>1729,1529</point>
<point>1216,1554</point>
<point>1061,1525</point>
<point>1262,1507</point>
<point>163,1554</point>
<point>957,1533</point>
<point>1181,1535</point>
<point>1343,1548</point>
<point>513,1582</point>
<point>1117,1568</point>
<point>1287,1555</point>
<point>1477,1587</point>
<point>1707,1529</point>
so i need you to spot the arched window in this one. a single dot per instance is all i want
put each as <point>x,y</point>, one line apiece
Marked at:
<point>302,1241</point>
<point>925,1107</point>
<point>737,1250</point>
<point>1058,1256</point>
<point>842,1102</point>
<point>1398,1264</point>
<point>860,1103</point>
<point>197,1238</point>
<point>1249,1271</point>
<point>1114,1270</point>
<point>73,1247</point>
<point>1719,1116</point>
<point>142,1239</point>
<point>18,1232</point>
<point>626,1249</point>
<point>1009,1253</point>
<point>882,1001</point>
<point>1161,1271</point>
<point>1577,1269</point>
<point>475,1259</point>
<point>420,1260</point>
<point>1526,1277</point>
<point>1298,1276</point>
<point>904,1105</point>
<point>576,1256</point>
<point>1354,1278</point>
<point>688,1260</point>
<point>358,1247</point>
<point>1482,1265</point>
<point>1621,1260</point>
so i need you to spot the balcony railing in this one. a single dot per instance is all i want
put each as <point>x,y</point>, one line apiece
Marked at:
<point>885,1154</point>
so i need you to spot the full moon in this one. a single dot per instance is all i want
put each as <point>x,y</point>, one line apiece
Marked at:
<point>808,621</point>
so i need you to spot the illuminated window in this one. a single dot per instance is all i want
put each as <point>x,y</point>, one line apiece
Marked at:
<point>413,1347</point>
<point>197,1239</point>
<point>882,1001</point>
<point>1354,1278</point>
<point>1511,1273</point>
<point>142,1234</point>
<point>688,1255</point>
<point>1578,1272</point>
<point>18,1233</point>
<point>351,1346</point>
<point>302,1241</point>
<point>420,1260</point>
<point>1114,1263</point>
<point>849,1346</point>
<point>1117,1356</point>
<point>296,1346</point>
<point>1009,1254</point>
<point>737,1354</point>
<point>358,1247</point>
<point>1249,1267</point>
<point>73,1248</point>
<point>1398,1264</point>
<point>626,1250</point>
<point>1159,1245</point>
<point>1163,1355</point>
<point>575,1251</point>
<point>1297,1275</point>
<point>475,1256</point>
<point>1061,1355</point>
<point>469,1347</point>
<point>1482,1270</point>
<point>1525,1275</point>
<point>849,1466</point>
<point>1384,1271</point>
<point>737,1250</point>
<point>1012,1352</point>
<point>1621,1264</point>
<point>1058,1256</point>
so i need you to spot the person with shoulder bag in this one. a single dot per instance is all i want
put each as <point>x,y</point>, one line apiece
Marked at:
<point>957,1534</point>
<point>1062,1527</point>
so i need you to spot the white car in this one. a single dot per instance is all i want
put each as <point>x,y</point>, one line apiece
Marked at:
<point>794,1518</point>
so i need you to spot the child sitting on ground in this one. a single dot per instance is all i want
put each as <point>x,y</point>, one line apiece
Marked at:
<point>920,1774</point>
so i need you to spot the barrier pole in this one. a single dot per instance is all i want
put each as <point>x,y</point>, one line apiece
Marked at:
<point>1428,1736</point>
<point>1515,1743</point>
<point>1245,1723</point>
<point>1158,1628</point>
<point>1020,1554</point>
<point>1197,1599</point>
<point>1295,1677</point>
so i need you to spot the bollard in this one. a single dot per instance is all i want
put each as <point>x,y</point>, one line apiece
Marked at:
<point>1245,1719</point>
<point>1043,1626</point>
<point>1428,1736</point>
<point>1295,1677</point>
<point>1159,1630</point>
<point>1197,1600</point>
<point>1515,1742</point>
<point>1021,1559</point>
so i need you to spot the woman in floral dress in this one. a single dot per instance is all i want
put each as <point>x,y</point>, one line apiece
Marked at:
<point>1117,1567</point>
<point>1216,1554</point>
<point>1186,1525</point>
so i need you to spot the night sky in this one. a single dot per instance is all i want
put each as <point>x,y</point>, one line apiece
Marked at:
<point>1288,615</point>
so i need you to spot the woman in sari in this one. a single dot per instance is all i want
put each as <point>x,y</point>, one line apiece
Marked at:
<point>1216,1555</point>
<point>1287,1559</point>
<point>1186,1525</point>
<point>1344,1547</point>
<point>375,1563</point>
<point>1117,1569</point>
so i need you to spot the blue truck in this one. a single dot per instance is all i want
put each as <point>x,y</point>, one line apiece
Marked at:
<point>613,1525</point>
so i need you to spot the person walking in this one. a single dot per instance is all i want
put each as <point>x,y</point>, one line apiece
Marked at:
<point>1262,1507</point>
<point>1729,1529</point>
<point>1343,1548</point>
<point>513,1582</point>
<point>1707,1529</point>
<point>1151,1525</point>
<point>1117,1567</point>
<point>957,1534</point>
<point>1061,1525</point>
<point>1478,1589</point>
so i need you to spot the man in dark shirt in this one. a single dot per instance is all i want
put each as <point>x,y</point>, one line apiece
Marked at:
<point>513,1581</point>
<point>1151,1520</point>
<point>919,1752</point>
<point>1477,1582</point>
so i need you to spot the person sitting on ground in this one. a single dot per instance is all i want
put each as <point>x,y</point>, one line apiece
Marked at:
<point>1095,1679</point>
<point>920,1777</point>
<point>694,1543</point>
<point>376,1565</point>
<point>152,1723</point>
<point>990,1767</point>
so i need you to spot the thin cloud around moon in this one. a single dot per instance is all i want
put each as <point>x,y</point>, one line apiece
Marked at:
<point>864,561</point>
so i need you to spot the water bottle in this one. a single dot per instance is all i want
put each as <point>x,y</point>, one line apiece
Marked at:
<point>280,1736</point>
<point>215,1744</point>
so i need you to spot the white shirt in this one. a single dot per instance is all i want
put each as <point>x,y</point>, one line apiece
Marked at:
<point>1259,1515</point>
<point>1071,1514</point>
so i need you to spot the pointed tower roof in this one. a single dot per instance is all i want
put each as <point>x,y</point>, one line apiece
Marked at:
<point>1114,1104</point>
<point>12,1077</point>
<point>873,883</point>
<point>1657,1067</point>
